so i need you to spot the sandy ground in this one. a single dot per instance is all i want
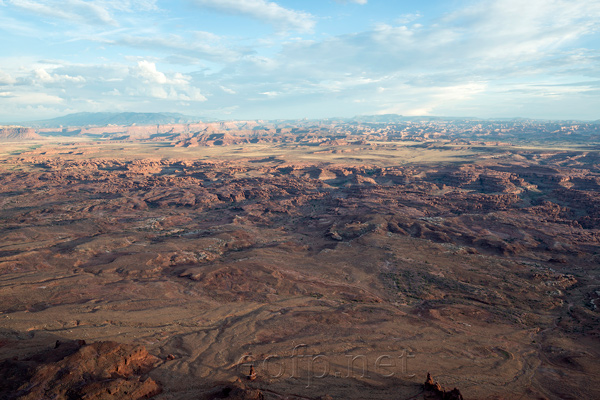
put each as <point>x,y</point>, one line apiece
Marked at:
<point>496,301</point>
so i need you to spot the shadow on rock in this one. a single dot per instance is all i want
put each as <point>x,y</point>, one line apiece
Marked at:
<point>75,370</point>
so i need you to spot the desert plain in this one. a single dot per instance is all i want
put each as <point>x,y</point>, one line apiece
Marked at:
<point>341,260</point>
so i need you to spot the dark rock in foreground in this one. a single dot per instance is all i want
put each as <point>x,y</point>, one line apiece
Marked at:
<point>435,391</point>
<point>75,370</point>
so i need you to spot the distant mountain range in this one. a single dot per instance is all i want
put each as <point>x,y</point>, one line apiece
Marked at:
<point>109,118</point>
<point>89,119</point>
<point>396,118</point>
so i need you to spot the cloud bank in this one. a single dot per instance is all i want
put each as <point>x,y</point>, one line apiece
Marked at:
<point>490,58</point>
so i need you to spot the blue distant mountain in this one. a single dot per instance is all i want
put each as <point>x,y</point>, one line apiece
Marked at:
<point>109,118</point>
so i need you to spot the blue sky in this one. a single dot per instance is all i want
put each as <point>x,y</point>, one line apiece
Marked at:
<point>261,59</point>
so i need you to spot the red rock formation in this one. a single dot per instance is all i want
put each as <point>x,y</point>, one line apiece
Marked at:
<point>77,370</point>
<point>435,391</point>
<point>252,374</point>
<point>14,133</point>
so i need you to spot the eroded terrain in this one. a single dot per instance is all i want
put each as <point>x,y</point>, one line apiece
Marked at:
<point>335,274</point>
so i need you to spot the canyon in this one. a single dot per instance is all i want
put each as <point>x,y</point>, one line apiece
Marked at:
<point>338,259</point>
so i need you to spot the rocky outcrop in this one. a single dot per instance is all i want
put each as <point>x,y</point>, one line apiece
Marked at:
<point>435,391</point>
<point>76,370</point>
<point>237,391</point>
<point>15,133</point>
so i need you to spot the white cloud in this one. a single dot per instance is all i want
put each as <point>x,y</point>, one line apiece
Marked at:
<point>267,11</point>
<point>131,5</point>
<point>431,100</point>
<point>6,79</point>
<point>227,90</point>
<point>408,18</point>
<point>98,12</point>
<point>491,39</point>
<point>200,46</point>
<point>517,29</point>
<point>148,72</point>
<point>158,85</point>
<point>352,1</point>
<point>26,98</point>
<point>75,11</point>
<point>58,85</point>
<point>449,64</point>
<point>114,92</point>
<point>42,76</point>
<point>167,93</point>
<point>192,94</point>
<point>485,53</point>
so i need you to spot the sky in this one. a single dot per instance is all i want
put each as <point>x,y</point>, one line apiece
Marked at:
<point>288,59</point>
